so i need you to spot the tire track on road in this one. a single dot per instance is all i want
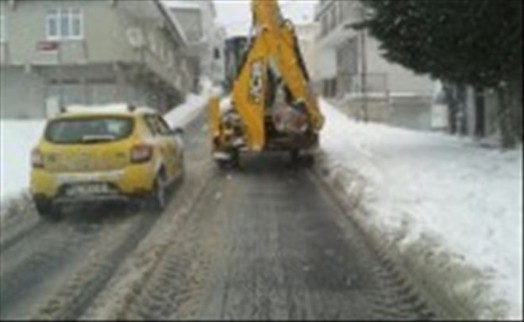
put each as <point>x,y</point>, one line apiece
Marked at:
<point>78,292</point>
<point>30,266</point>
<point>170,289</point>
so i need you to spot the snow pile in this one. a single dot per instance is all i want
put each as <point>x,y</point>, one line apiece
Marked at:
<point>182,114</point>
<point>18,138</point>
<point>465,199</point>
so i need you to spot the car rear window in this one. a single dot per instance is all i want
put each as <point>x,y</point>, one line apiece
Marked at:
<point>89,130</point>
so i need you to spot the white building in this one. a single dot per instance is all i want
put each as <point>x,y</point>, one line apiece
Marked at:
<point>307,36</point>
<point>55,53</point>
<point>197,18</point>
<point>349,66</point>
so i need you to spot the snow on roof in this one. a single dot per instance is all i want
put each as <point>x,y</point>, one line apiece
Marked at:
<point>124,108</point>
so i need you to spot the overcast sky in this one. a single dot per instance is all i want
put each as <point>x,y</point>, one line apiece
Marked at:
<point>236,16</point>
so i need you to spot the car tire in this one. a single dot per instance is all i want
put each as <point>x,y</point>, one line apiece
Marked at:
<point>47,210</point>
<point>157,202</point>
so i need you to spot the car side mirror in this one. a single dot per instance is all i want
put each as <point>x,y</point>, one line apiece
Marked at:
<point>178,131</point>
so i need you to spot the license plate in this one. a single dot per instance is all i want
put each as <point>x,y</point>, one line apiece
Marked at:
<point>88,189</point>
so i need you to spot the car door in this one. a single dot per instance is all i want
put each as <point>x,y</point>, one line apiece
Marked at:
<point>171,146</point>
<point>161,145</point>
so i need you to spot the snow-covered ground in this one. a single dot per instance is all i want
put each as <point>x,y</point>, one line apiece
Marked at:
<point>465,199</point>
<point>19,137</point>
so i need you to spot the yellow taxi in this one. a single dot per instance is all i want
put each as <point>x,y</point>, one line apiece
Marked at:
<point>102,153</point>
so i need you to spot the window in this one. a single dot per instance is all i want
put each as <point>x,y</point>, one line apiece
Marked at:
<point>157,125</point>
<point>2,28</point>
<point>164,128</point>
<point>76,23</point>
<point>64,24</point>
<point>217,53</point>
<point>89,130</point>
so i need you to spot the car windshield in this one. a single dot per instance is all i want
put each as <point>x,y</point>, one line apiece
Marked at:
<point>88,130</point>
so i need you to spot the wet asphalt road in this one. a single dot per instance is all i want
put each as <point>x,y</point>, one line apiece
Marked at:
<point>267,241</point>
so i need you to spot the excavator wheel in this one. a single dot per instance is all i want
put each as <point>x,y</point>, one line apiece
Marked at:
<point>232,163</point>
<point>295,156</point>
<point>301,159</point>
<point>308,160</point>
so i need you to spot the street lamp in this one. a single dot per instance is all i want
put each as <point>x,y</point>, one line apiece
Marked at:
<point>363,60</point>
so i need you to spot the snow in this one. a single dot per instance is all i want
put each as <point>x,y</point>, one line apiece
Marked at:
<point>181,115</point>
<point>225,104</point>
<point>107,109</point>
<point>418,184</point>
<point>18,138</point>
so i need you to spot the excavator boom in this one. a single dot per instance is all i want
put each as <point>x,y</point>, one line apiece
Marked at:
<point>272,97</point>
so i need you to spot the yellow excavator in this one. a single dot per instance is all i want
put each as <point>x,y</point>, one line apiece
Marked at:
<point>272,105</point>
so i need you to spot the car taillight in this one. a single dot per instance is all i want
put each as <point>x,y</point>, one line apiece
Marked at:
<point>37,159</point>
<point>141,153</point>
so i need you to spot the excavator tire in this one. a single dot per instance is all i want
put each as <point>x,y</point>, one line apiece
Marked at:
<point>301,159</point>
<point>232,163</point>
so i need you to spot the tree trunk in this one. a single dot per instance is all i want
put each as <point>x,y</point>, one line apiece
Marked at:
<point>480,113</point>
<point>516,102</point>
<point>505,119</point>
<point>452,107</point>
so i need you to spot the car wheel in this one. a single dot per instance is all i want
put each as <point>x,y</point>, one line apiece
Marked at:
<point>47,210</point>
<point>158,199</point>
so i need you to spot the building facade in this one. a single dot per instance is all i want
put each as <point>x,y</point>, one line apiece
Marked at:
<point>351,69</point>
<point>206,39</point>
<point>307,35</point>
<point>54,53</point>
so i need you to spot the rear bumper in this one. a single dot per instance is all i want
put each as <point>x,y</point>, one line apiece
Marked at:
<point>304,141</point>
<point>134,180</point>
<point>94,198</point>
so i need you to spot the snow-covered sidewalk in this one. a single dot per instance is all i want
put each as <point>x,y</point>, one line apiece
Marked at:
<point>17,139</point>
<point>441,191</point>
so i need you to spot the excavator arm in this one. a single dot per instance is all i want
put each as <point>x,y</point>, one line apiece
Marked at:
<point>272,62</point>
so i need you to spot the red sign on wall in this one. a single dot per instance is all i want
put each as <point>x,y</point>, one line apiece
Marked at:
<point>47,45</point>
